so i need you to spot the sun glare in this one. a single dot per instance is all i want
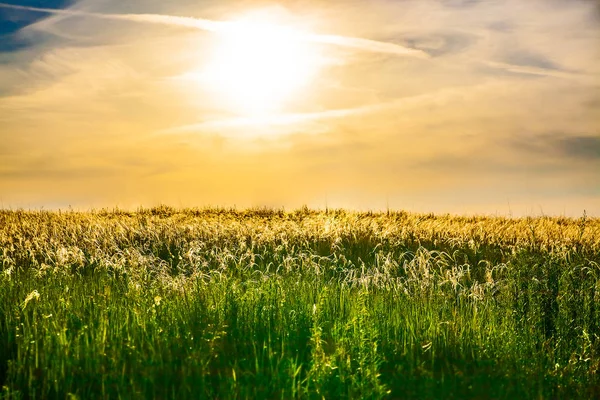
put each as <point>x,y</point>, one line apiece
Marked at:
<point>257,67</point>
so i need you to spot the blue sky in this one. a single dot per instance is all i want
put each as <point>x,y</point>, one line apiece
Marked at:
<point>430,105</point>
<point>12,21</point>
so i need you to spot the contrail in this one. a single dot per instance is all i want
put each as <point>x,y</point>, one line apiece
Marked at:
<point>275,120</point>
<point>197,23</point>
<point>357,43</point>
<point>298,118</point>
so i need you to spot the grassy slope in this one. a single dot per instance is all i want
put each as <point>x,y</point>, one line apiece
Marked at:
<point>167,303</point>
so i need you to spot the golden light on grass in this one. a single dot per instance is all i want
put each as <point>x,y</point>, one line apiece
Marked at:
<point>257,66</point>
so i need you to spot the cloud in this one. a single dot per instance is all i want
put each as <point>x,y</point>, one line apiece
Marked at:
<point>296,120</point>
<point>272,120</point>
<point>530,59</point>
<point>540,71</point>
<point>442,43</point>
<point>367,45</point>
<point>227,27</point>
<point>580,147</point>
<point>575,147</point>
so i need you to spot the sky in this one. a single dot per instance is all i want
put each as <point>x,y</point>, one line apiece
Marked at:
<point>446,106</point>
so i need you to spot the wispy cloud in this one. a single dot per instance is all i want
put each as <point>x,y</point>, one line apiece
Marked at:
<point>366,45</point>
<point>577,147</point>
<point>441,96</point>
<point>273,120</point>
<point>196,23</point>
<point>539,71</point>
<point>357,43</point>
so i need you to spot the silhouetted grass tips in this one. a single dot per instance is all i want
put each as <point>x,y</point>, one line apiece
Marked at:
<point>166,303</point>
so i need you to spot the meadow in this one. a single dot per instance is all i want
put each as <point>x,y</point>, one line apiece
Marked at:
<point>266,304</point>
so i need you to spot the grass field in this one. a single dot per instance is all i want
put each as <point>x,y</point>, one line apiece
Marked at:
<point>165,303</point>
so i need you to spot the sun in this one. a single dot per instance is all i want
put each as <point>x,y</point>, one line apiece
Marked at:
<point>257,66</point>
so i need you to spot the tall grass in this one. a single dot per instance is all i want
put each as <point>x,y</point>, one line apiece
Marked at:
<point>166,303</point>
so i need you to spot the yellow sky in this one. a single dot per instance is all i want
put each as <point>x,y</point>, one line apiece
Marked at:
<point>446,106</point>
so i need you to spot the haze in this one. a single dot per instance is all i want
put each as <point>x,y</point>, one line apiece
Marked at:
<point>488,107</point>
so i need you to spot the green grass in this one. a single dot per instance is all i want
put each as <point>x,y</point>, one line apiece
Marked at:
<point>164,303</point>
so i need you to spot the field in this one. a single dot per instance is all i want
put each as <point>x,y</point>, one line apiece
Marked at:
<point>166,303</point>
